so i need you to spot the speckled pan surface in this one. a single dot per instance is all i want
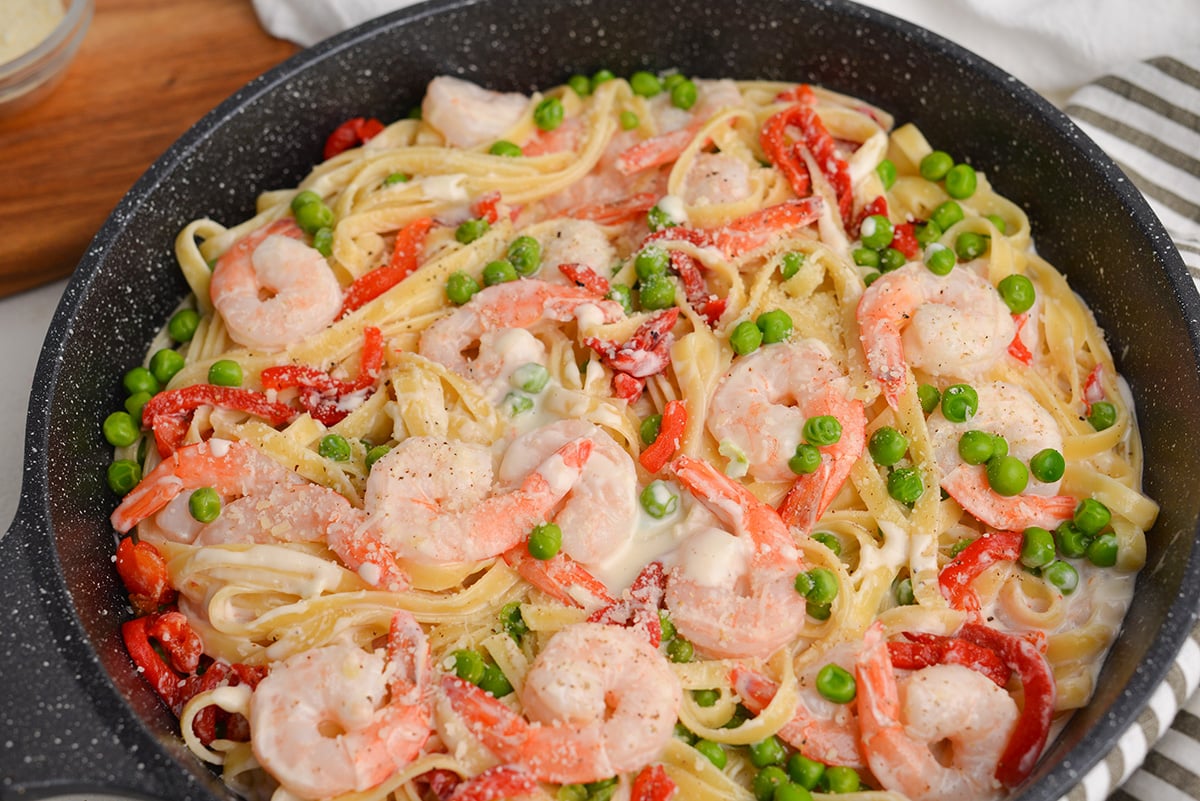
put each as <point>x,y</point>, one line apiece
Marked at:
<point>73,713</point>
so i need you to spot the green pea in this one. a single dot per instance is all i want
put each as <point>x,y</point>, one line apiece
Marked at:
<point>1091,516</point>
<point>305,198</point>
<point>1102,415</point>
<point>960,181</point>
<point>205,505</point>
<point>836,684</point>
<point>680,650</point>
<point>396,178</point>
<point>790,264</point>
<point>999,445</point>
<point>1102,551</point>
<point>469,665</point>
<point>494,681</point>
<point>713,752</point>
<point>500,271</point>
<point>804,771</point>
<point>819,611</point>
<point>225,373</point>
<point>414,113</point>
<point>134,405</point>
<point>706,698</point>
<point>891,259</point>
<point>745,338</point>
<point>871,278</point>
<point>1017,293</point>
<point>997,222</point>
<point>865,257</point>
<point>503,147</point>
<point>927,233</point>
<point>322,242</point>
<point>685,734</point>
<point>1072,543</point>
<point>312,217</point>
<point>651,262</point>
<point>580,85</point>
<point>935,165</point>
<point>1007,475</point>
<point>905,485</point>
<point>684,95</point>
<point>548,114</point>
<point>842,779</point>
<point>960,546</point>
<point>767,752</point>
<point>824,585</point>
<point>822,430</point>
<point>970,245</point>
<point>182,325</point>
<point>531,377</point>
<point>766,780</point>
<point>657,292</point>
<point>512,621</point>
<point>877,232</point>
<point>375,454</point>
<point>335,447</point>
<point>668,627</point>
<point>776,326</point>
<point>790,791</point>
<point>123,475</point>
<point>164,364</point>
<point>658,500</point>
<point>515,403</point>
<point>572,792</point>
<point>830,541</point>
<point>545,541</point>
<point>650,428</point>
<point>461,287</point>
<point>959,403</point>
<point>525,255</point>
<point>600,77</point>
<point>657,219</point>
<point>139,379</point>
<point>886,170</point>
<point>470,230</point>
<point>672,79</point>
<point>940,260</point>
<point>1037,547</point>
<point>929,396</point>
<point>903,590</point>
<point>946,215</point>
<point>1047,465</point>
<point>1062,575</point>
<point>622,294</point>
<point>887,446</point>
<point>976,447</point>
<point>120,430</point>
<point>805,460</point>
<point>645,84</point>
<point>629,120</point>
<point>602,790</point>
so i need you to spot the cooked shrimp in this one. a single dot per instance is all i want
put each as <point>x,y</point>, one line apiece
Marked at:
<point>575,242</point>
<point>1012,412</point>
<point>716,178</point>
<point>338,719</point>
<point>468,115</point>
<point>606,702</point>
<point>273,290</point>
<point>233,469</point>
<point>599,514</point>
<point>513,305</point>
<point>285,513</point>
<point>759,410</point>
<point>939,736</point>
<point>952,325</point>
<point>435,502</point>
<point>733,595</point>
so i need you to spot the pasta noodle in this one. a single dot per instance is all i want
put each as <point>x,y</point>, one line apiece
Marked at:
<point>729,397</point>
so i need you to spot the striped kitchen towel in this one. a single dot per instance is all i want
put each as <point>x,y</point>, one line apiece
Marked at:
<point>1147,118</point>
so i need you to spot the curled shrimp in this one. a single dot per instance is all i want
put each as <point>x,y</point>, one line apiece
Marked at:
<point>468,115</point>
<point>284,513</point>
<point>436,502</point>
<point>273,290</point>
<point>599,513</point>
<point>1012,412</point>
<point>733,595</point>
<point>940,736</point>
<point>955,324</point>
<point>338,719</point>
<point>603,702</point>
<point>760,407</point>
<point>569,241</point>
<point>233,469</point>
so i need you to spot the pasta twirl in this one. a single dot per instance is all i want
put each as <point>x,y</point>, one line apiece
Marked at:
<point>627,438</point>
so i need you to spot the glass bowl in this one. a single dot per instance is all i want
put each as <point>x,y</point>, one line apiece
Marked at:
<point>30,77</point>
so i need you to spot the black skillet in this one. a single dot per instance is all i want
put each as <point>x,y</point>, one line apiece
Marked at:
<point>74,715</point>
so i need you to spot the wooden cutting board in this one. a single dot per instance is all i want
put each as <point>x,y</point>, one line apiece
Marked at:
<point>146,71</point>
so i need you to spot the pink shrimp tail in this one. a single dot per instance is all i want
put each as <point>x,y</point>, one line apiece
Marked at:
<point>968,485</point>
<point>754,230</point>
<point>811,494</point>
<point>560,577</point>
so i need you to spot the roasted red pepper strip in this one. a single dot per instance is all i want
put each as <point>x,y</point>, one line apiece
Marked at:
<point>1017,348</point>
<point>167,412</point>
<point>956,577</point>
<point>160,676</point>
<point>904,239</point>
<point>652,784</point>
<point>410,240</point>
<point>640,609</point>
<point>1093,387</point>
<point>144,572</point>
<point>177,638</point>
<point>441,782</point>
<point>487,206</point>
<point>925,650</point>
<point>670,434</point>
<point>219,674</point>
<point>321,394</point>
<point>1028,739</point>
<point>351,133</point>
<point>816,138</point>
<point>584,276</point>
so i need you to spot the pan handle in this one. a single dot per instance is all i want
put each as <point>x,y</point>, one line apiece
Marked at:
<point>63,726</point>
